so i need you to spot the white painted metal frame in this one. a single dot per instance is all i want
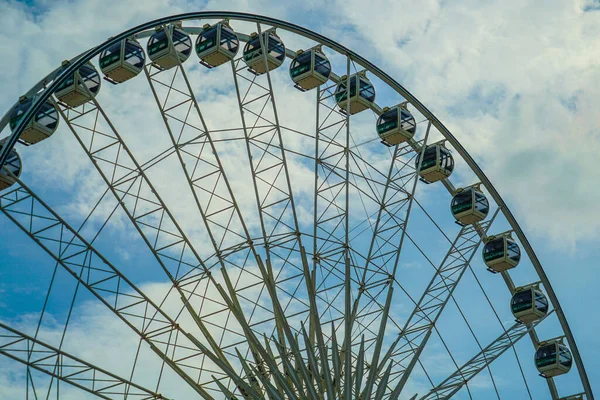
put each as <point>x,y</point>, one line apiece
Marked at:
<point>272,241</point>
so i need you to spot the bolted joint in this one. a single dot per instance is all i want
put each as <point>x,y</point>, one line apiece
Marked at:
<point>362,287</point>
<point>390,278</point>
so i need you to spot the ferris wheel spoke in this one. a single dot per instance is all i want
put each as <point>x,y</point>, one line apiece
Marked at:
<point>389,223</point>
<point>169,244</point>
<point>291,339</point>
<point>331,253</point>
<point>511,286</point>
<point>55,383</point>
<point>376,180</point>
<point>454,382</point>
<point>506,277</point>
<point>407,348</point>
<point>129,184</point>
<point>108,284</point>
<point>362,179</point>
<point>531,332</point>
<point>462,314</point>
<point>269,166</point>
<point>203,170</point>
<point>62,366</point>
<point>281,239</point>
<point>275,204</point>
<point>389,233</point>
<point>336,171</point>
<point>273,192</point>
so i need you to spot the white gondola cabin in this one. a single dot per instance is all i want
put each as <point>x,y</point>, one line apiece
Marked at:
<point>501,253</point>
<point>469,205</point>
<point>396,125</point>
<point>528,304</point>
<point>217,44</point>
<point>14,165</point>
<point>75,92</point>
<point>41,126</point>
<point>167,48</point>
<point>553,358</point>
<point>437,164</point>
<point>310,69</point>
<point>253,55</point>
<point>122,61</point>
<point>362,93</point>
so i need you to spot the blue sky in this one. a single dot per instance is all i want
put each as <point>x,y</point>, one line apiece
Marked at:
<point>517,84</point>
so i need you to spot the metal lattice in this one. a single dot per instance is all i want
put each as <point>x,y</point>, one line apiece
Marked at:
<point>294,296</point>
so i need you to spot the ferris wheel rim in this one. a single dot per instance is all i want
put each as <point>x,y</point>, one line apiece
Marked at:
<point>78,61</point>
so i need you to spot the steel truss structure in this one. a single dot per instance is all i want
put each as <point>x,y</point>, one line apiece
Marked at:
<point>63,366</point>
<point>272,304</point>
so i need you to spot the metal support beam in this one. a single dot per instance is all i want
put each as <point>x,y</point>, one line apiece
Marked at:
<point>388,236</point>
<point>108,284</point>
<point>155,223</point>
<point>451,385</point>
<point>54,362</point>
<point>407,348</point>
<point>274,198</point>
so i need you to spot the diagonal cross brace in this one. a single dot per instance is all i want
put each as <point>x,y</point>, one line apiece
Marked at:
<point>109,285</point>
<point>407,348</point>
<point>67,368</point>
<point>451,385</point>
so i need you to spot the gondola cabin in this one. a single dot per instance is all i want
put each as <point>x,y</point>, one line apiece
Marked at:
<point>167,48</point>
<point>75,92</point>
<point>310,69</point>
<point>216,44</point>
<point>362,93</point>
<point>253,55</point>
<point>528,304</point>
<point>437,164</point>
<point>553,358</point>
<point>396,125</point>
<point>122,61</point>
<point>469,205</point>
<point>13,164</point>
<point>501,253</point>
<point>41,126</point>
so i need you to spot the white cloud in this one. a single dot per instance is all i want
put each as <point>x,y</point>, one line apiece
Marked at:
<point>516,83</point>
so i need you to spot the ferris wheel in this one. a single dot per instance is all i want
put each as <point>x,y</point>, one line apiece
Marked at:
<point>271,217</point>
